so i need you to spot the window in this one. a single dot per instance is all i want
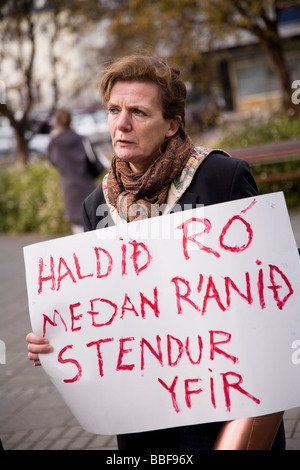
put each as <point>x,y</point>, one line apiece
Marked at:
<point>255,78</point>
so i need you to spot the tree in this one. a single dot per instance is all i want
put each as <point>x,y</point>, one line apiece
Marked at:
<point>22,22</point>
<point>184,28</point>
<point>17,23</point>
<point>261,18</point>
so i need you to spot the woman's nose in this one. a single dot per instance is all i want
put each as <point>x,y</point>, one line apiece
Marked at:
<point>124,122</point>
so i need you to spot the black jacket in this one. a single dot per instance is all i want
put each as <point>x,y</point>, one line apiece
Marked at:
<point>67,154</point>
<point>219,178</point>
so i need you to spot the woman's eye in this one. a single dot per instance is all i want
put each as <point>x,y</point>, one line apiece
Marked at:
<point>113,110</point>
<point>138,112</point>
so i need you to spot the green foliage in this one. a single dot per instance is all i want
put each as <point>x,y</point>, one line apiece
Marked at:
<point>30,199</point>
<point>290,186</point>
<point>258,131</point>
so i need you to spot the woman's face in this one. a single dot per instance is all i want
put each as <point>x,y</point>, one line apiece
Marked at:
<point>136,123</point>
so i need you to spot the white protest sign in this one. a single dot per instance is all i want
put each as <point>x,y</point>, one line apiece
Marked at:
<point>187,318</point>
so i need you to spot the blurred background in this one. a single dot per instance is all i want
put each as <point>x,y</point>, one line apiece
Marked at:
<point>240,61</point>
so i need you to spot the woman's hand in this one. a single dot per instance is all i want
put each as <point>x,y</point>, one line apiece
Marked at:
<point>37,345</point>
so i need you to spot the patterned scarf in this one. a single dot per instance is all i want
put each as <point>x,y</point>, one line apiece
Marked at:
<point>139,195</point>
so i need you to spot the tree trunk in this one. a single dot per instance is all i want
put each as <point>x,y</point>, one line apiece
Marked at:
<point>282,72</point>
<point>19,128</point>
<point>21,147</point>
<point>270,39</point>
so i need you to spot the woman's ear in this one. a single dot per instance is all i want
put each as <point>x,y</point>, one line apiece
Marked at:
<point>173,126</point>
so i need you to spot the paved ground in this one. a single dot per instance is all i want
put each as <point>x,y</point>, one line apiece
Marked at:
<point>32,414</point>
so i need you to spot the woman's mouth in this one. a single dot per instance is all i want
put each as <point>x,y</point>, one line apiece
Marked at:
<point>124,142</point>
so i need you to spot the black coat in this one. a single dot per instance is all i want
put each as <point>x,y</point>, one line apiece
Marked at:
<point>66,152</point>
<point>218,179</point>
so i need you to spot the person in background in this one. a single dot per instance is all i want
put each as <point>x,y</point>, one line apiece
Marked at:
<point>157,167</point>
<point>67,153</point>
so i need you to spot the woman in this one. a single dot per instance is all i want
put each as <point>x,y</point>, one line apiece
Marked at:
<point>156,168</point>
<point>67,153</point>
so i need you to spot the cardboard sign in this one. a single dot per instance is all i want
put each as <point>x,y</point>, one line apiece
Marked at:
<point>187,318</point>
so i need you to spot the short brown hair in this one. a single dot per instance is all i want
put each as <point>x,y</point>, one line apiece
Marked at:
<point>148,68</point>
<point>63,118</point>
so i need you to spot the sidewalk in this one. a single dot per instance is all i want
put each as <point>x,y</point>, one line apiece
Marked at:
<point>32,414</point>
